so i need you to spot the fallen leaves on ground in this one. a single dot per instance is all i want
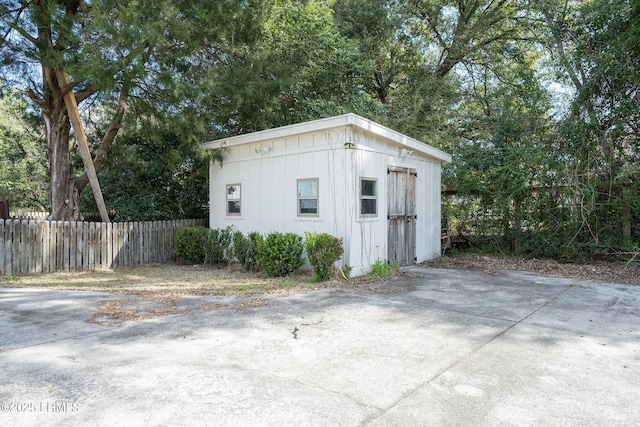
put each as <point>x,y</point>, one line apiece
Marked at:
<point>612,272</point>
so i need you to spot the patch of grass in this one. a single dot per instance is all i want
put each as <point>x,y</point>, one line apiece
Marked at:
<point>383,269</point>
<point>179,279</point>
<point>175,279</point>
<point>287,283</point>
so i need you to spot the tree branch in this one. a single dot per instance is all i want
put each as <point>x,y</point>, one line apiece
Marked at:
<point>33,97</point>
<point>23,33</point>
<point>107,141</point>
<point>560,50</point>
<point>85,93</point>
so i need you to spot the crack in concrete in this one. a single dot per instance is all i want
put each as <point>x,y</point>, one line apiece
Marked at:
<point>466,356</point>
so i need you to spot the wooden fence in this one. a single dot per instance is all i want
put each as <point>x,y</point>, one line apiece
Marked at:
<point>49,246</point>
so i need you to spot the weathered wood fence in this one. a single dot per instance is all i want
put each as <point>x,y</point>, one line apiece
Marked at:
<point>50,246</point>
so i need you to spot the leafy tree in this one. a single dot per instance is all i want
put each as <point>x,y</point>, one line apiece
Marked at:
<point>144,55</point>
<point>301,68</point>
<point>153,175</point>
<point>502,157</point>
<point>23,165</point>
<point>596,46</point>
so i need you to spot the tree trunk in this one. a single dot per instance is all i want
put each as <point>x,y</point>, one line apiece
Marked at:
<point>63,196</point>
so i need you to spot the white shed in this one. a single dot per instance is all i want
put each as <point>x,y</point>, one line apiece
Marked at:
<point>377,189</point>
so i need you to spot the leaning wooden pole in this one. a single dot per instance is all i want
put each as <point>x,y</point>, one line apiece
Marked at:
<point>74,116</point>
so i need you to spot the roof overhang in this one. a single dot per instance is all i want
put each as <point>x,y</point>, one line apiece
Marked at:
<point>350,119</point>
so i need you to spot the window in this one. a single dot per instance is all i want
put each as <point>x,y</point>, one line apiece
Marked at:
<point>308,197</point>
<point>233,199</point>
<point>368,197</point>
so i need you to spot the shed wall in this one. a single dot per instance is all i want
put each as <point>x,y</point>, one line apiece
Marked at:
<point>269,191</point>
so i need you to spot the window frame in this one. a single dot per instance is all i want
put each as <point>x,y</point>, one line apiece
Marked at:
<point>316,198</point>
<point>238,200</point>
<point>363,197</point>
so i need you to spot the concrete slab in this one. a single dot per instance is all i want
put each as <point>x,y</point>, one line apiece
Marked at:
<point>458,348</point>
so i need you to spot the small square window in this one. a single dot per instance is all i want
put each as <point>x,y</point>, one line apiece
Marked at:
<point>308,197</point>
<point>368,197</point>
<point>233,199</point>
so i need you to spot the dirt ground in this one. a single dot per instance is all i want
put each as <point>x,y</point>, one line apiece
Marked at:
<point>155,290</point>
<point>618,272</point>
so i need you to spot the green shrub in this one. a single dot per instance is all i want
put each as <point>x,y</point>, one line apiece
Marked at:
<point>245,248</point>
<point>323,251</point>
<point>217,248</point>
<point>280,254</point>
<point>384,269</point>
<point>191,243</point>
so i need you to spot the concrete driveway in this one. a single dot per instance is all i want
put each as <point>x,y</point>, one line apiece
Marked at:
<point>442,348</point>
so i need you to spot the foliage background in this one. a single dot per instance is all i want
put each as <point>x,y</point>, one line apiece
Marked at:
<point>537,100</point>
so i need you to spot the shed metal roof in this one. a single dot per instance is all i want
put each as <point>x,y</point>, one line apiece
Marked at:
<point>350,119</point>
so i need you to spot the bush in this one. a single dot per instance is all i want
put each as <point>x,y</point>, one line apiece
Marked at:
<point>245,248</point>
<point>323,251</point>
<point>190,244</point>
<point>280,254</point>
<point>217,248</point>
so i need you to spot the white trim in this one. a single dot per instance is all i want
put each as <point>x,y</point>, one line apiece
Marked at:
<point>299,198</point>
<point>373,197</point>
<point>329,123</point>
<point>238,200</point>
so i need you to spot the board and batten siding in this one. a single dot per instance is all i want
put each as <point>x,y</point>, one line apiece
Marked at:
<point>269,185</point>
<point>269,170</point>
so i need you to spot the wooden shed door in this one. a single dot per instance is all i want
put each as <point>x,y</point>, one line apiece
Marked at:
<point>401,215</point>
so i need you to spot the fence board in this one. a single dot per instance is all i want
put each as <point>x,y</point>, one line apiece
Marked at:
<point>118,244</point>
<point>148,242</point>
<point>102,232</point>
<point>46,238</point>
<point>85,245</point>
<point>73,245</point>
<point>59,245</point>
<point>66,232</point>
<point>127,242</point>
<point>92,246</point>
<point>37,227</point>
<point>32,249</point>
<point>133,238</point>
<point>16,247</point>
<point>137,247</point>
